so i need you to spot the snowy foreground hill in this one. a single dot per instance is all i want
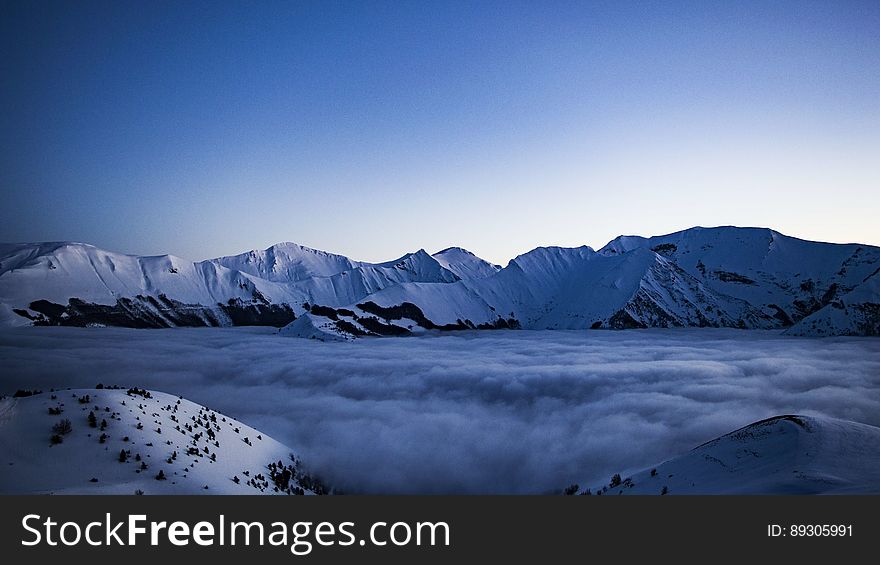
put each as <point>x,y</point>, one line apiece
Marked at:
<point>781,455</point>
<point>138,442</point>
<point>702,277</point>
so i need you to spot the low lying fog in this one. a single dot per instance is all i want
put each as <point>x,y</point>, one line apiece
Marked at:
<point>474,412</point>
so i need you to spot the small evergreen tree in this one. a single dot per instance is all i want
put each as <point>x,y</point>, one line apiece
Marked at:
<point>62,427</point>
<point>123,456</point>
<point>615,480</point>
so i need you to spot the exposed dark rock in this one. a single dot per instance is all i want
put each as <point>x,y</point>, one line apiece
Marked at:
<point>377,327</point>
<point>404,310</point>
<point>325,311</point>
<point>781,315</point>
<point>411,311</point>
<point>665,249</point>
<point>47,308</point>
<point>500,324</point>
<point>26,314</point>
<point>805,307</point>
<point>726,276</point>
<point>159,312</point>
<point>829,294</point>
<point>877,270</point>
<point>870,322</point>
<point>622,320</point>
<point>257,314</point>
<point>349,328</point>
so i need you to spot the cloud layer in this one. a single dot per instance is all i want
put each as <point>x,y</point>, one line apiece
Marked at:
<point>488,412</point>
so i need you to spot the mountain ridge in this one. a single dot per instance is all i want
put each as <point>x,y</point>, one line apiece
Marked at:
<point>718,277</point>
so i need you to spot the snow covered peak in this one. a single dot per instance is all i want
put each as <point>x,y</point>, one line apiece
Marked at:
<point>553,255</point>
<point>465,264</point>
<point>419,267</point>
<point>693,237</point>
<point>622,244</point>
<point>287,262</point>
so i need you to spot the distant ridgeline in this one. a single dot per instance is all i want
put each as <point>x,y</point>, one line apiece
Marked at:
<point>701,277</point>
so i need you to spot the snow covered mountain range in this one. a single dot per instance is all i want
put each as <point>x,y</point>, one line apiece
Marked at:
<point>706,277</point>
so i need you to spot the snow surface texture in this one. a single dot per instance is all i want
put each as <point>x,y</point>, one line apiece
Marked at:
<point>157,432</point>
<point>781,455</point>
<point>470,412</point>
<point>752,278</point>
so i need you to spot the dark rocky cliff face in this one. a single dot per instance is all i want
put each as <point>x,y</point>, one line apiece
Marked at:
<point>158,312</point>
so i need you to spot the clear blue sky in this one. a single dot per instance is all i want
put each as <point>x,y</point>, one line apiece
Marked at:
<point>372,129</point>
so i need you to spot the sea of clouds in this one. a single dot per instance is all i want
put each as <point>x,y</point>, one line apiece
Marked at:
<point>470,412</point>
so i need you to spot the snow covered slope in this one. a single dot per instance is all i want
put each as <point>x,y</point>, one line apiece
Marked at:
<point>781,455</point>
<point>287,262</point>
<point>855,313</point>
<point>786,277</point>
<point>350,286</point>
<point>465,264</point>
<point>137,435</point>
<point>77,284</point>
<point>578,288</point>
<point>718,277</point>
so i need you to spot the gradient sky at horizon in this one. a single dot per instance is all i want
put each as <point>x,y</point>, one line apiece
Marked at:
<point>376,128</point>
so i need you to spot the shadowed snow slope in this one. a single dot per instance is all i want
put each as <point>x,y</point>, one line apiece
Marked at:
<point>781,455</point>
<point>199,451</point>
